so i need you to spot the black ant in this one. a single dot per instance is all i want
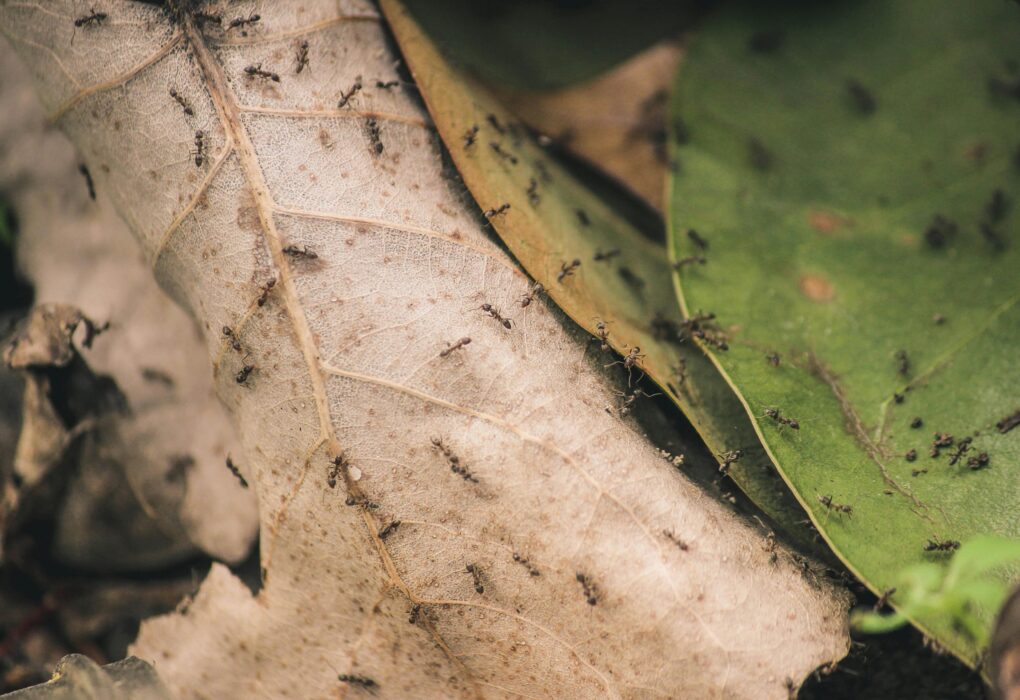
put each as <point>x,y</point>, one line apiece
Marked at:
<point>300,251</point>
<point>412,618</point>
<point>363,681</point>
<point>911,455</point>
<point>523,561</point>
<point>840,508</point>
<point>696,239</point>
<point>234,342</point>
<point>533,197</point>
<point>302,56</point>
<point>533,293</point>
<point>490,213</point>
<point>902,363</point>
<point>251,19</point>
<point>374,134</point>
<point>456,346</point>
<point>671,536</point>
<point>917,422</point>
<point>476,575</point>
<point>492,311</point>
<point>962,447</point>
<point>83,169</point>
<point>338,466</point>
<point>387,85</point>
<point>236,472</point>
<point>937,545</point>
<point>773,358</point>
<point>345,97</point>
<point>182,102</point>
<point>96,18</point>
<point>246,369</point>
<point>92,329</point>
<point>629,399</point>
<point>455,466</point>
<point>203,17</point>
<point>567,269</point>
<point>940,231</point>
<point>199,148</point>
<point>979,462</point>
<point>266,289</point>
<point>470,135</point>
<point>603,335</point>
<point>629,361</point>
<point>491,118</point>
<point>498,150</point>
<point>940,441</point>
<point>589,588</point>
<point>605,256</point>
<point>255,71</point>
<point>389,529</point>
<point>863,99</point>
<point>689,260</point>
<point>774,414</point>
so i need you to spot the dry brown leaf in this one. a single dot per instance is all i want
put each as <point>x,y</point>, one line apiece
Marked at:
<point>537,551</point>
<point>171,444</point>
<point>617,121</point>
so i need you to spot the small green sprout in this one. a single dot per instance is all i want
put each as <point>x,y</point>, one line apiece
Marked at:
<point>955,590</point>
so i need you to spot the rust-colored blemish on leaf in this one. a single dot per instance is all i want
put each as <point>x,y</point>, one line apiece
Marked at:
<point>816,288</point>
<point>826,221</point>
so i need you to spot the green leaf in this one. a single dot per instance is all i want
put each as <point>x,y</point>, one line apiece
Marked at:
<point>542,45</point>
<point>553,220</point>
<point>816,171</point>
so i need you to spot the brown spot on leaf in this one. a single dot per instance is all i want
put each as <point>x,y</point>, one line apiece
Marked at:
<point>816,288</point>
<point>826,221</point>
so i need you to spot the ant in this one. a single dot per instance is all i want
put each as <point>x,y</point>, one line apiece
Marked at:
<point>491,118</point>
<point>470,135</point>
<point>498,150</point>
<point>835,507</point>
<point>339,465</point>
<point>363,681</point>
<point>533,293</point>
<point>412,618</point>
<point>603,335</point>
<point>961,447</point>
<point>246,369</point>
<point>300,251</point>
<point>492,311</point>
<point>234,342</point>
<point>302,56</point>
<point>182,102</point>
<point>937,545</point>
<point>476,575</point>
<point>774,414</point>
<point>629,399</point>
<point>491,213</point>
<point>236,472</point>
<point>567,269</point>
<point>255,71</point>
<point>902,362</point>
<point>199,148</point>
<point>266,289</point>
<point>203,17</point>
<point>533,197</point>
<point>629,361</point>
<point>345,97</point>
<point>454,460</point>
<point>773,359</point>
<point>374,135</point>
<point>883,599</point>
<point>861,96</point>
<point>237,22</point>
<point>603,256</point>
<point>589,588</point>
<point>582,216</point>
<point>979,462</point>
<point>456,346</point>
<point>96,18</point>
<point>671,536</point>
<point>940,441</point>
<point>689,260</point>
<point>387,85</point>
<point>526,563</point>
<point>696,239</point>
<point>389,529</point>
